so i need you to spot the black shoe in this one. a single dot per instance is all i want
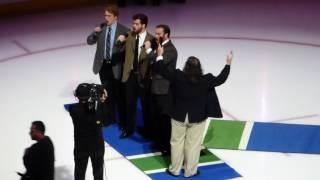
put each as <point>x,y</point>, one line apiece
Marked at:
<point>169,172</point>
<point>202,153</point>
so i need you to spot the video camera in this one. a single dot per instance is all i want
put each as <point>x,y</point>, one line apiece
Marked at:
<point>91,94</point>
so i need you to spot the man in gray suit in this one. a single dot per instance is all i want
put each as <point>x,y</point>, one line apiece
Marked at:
<point>108,60</point>
<point>160,89</point>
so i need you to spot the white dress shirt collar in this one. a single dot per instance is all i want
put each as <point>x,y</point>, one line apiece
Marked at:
<point>165,42</point>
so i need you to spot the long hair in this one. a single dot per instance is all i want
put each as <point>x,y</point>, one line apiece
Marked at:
<point>192,69</point>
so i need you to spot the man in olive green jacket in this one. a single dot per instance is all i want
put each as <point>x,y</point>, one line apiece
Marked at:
<point>136,74</point>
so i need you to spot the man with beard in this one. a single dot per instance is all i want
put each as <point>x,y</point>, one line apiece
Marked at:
<point>39,158</point>
<point>160,89</point>
<point>136,73</point>
<point>193,93</point>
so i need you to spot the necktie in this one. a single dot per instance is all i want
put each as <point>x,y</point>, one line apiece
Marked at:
<point>136,52</point>
<point>108,58</point>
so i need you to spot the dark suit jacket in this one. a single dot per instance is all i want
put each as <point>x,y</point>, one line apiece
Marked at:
<point>143,58</point>
<point>160,85</point>
<point>193,98</point>
<point>117,50</point>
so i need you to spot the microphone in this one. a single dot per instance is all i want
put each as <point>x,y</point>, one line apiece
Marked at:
<point>126,34</point>
<point>118,42</point>
<point>160,41</point>
<point>103,25</point>
<point>154,43</point>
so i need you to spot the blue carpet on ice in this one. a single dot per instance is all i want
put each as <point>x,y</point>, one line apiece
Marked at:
<point>129,146</point>
<point>292,138</point>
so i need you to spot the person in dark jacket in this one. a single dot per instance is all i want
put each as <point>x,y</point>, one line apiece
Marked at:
<point>191,90</point>
<point>39,158</point>
<point>88,138</point>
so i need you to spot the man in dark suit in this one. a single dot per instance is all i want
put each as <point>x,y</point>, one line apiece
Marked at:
<point>136,73</point>
<point>108,61</point>
<point>191,89</point>
<point>160,90</point>
<point>39,158</point>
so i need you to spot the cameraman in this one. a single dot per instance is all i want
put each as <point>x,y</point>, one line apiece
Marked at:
<point>88,138</point>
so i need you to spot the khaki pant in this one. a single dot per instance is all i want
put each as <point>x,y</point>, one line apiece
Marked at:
<point>186,139</point>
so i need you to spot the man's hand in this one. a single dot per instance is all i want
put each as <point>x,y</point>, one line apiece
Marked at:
<point>104,95</point>
<point>230,58</point>
<point>160,50</point>
<point>147,44</point>
<point>97,29</point>
<point>122,38</point>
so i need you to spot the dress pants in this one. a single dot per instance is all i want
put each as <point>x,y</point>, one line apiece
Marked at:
<point>107,79</point>
<point>136,87</point>
<point>161,121</point>
<point>81,162</point>
<point>186,139</point>
<point>120,97</point>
